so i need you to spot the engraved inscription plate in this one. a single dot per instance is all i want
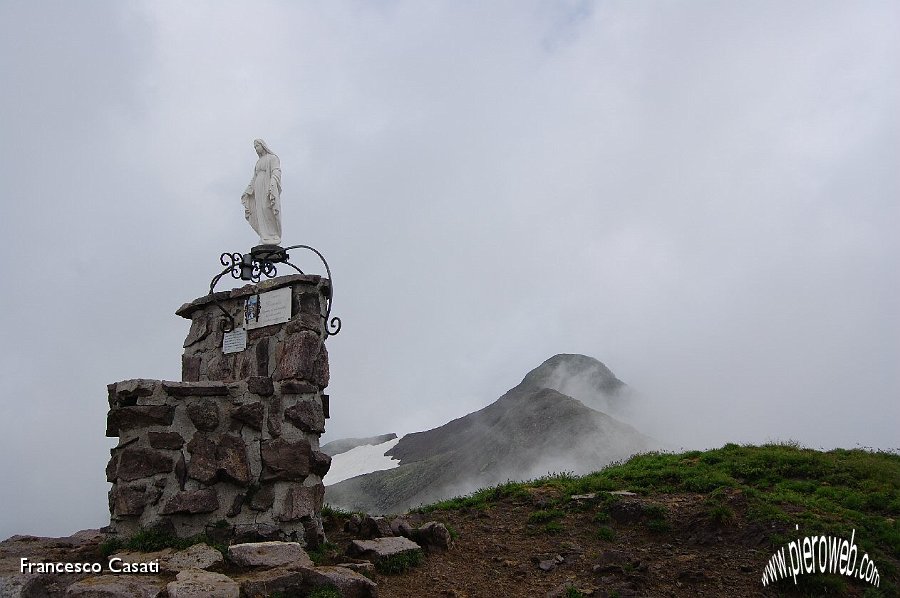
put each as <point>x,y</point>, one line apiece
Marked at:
<point>265,309</point>
<point>234,341</point>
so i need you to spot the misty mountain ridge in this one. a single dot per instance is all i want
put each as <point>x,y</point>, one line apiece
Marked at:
<point>533,429</point>
<point>583,378</point>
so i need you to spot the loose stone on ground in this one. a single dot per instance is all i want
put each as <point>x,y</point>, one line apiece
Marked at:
<point>269,555</point>
<point>196,583</point>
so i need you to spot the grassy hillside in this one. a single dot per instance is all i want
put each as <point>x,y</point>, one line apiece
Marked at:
<point>832,492</point>
<point>702,520</point>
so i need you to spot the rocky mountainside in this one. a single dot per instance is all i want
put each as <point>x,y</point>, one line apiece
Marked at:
<point>532,430</point>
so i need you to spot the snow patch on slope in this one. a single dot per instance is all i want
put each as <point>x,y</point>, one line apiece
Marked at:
<point>360,460</point>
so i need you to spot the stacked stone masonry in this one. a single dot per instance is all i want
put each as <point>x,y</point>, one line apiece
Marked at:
<point>233,449</point>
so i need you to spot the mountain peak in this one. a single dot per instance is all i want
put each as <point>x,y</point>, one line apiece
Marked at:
<point>580,377</point>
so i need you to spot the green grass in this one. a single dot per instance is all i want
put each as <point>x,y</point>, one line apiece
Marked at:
<point>480,498</point>
<point>326,592</point>
<point>606,533</point>
<point>152,540</point>
<point>336,512</point>
<point>454,535</point>
<point>553,527</point>
<point>322,553</point>
<point>545,516</point>
<point>720,514</point>
<point>399,563</point>
<point>601,517</point>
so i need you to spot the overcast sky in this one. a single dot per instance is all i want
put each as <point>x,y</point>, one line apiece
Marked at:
<point>702,195</point>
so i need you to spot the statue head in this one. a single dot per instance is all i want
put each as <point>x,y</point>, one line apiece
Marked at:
<point>261,147</point>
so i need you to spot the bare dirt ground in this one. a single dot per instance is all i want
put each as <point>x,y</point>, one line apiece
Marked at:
<point>500,550</point>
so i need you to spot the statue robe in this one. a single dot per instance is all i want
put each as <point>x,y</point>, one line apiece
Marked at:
<point>262,200</point>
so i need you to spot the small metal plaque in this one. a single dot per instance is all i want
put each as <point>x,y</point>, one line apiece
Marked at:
<point>266,309</point>
<point>234,341</point>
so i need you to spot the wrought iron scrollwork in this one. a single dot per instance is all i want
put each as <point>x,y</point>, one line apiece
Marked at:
<point>332,324</point>
<point>261,261</point>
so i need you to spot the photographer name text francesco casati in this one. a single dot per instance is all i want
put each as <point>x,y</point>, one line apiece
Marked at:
<point>114,565</point>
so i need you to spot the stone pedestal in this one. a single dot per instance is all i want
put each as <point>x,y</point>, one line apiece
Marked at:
<point>233,449</point>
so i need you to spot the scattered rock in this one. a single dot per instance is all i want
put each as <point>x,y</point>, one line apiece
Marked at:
<point>272,582</point>
<point>198,556</point>
<point>580,497</point>
<point>626,511</point>
<point>116,586</point>
<point>160,556</point>
<point>353,525</point>
<point>401,527</point>
<point>375,527</point>
<point>380,548</point>
<point>692,575</point>
<point>269,555</point>
<point>547,564</point>
<point>571,548</point>
<point>562,591</point>
<point>615,561</point>
<point>433,535</point>
<point>363,568</point>
<point>196,583</point>
<point>349,583</point>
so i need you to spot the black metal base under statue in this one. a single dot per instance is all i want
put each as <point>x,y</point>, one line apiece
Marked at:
<point>269,253</point>
<point>261,261</point>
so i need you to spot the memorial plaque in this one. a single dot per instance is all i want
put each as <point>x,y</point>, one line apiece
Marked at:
<point>234,341</point>
<point>265,309</point>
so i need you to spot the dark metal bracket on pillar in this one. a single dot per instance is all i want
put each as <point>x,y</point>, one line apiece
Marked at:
<point>261,261</point>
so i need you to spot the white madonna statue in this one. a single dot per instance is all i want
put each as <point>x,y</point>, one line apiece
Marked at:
<point>262,199</point>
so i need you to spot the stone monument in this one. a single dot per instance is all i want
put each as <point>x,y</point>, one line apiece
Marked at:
<point>232,449</point>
